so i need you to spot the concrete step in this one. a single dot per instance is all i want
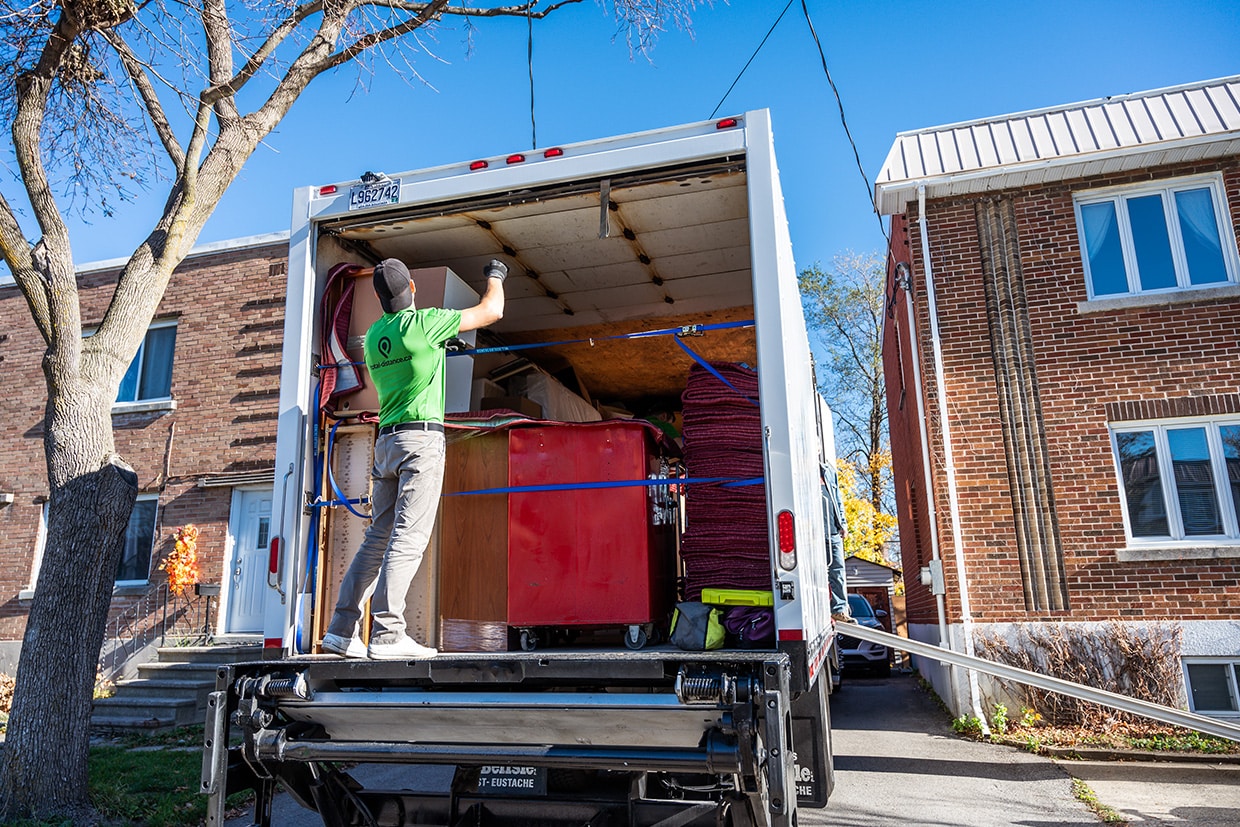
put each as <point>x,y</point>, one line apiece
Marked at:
<point>192,672</point>
<point>163,688</point>
<point>210,654</point>
<point>148,712</point>
<point>124,723</point>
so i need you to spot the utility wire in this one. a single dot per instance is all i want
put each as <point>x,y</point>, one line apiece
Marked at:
<point>751,57</point>
<point>843,120</point>
<point>529,59</point>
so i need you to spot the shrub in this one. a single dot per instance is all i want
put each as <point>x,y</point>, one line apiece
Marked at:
<point>1138,661</point>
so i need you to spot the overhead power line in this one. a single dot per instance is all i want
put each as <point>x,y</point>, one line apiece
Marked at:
<point>869,190</point>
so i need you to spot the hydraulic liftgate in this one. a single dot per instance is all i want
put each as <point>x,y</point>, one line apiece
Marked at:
<point>1166,714</point>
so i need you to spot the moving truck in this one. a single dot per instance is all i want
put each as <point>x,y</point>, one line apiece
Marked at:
<point>651,297</point>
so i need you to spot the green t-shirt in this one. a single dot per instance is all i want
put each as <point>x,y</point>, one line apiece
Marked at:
<point>405,357</point>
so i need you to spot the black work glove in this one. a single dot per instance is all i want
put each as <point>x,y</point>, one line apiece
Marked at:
<point>495,269</point>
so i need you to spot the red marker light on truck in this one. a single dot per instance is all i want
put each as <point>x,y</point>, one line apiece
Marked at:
<point>726,123</point>
<point>477,165</point>
<point>330,189</point>
<point>515,159</point>
<point>554,152</point>
<point>273,559</point>
<point>787,540</point>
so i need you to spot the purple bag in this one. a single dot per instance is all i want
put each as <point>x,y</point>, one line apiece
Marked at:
<point>752,626</point>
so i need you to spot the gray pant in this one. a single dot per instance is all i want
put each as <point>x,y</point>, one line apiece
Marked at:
<point>406,482</point>
<point>835,576</point>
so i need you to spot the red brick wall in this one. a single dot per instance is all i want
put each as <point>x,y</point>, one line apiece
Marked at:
<point>229,308</point>
<point>1083,363</point>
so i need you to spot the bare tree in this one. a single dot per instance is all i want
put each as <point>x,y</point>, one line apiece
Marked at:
<point>103,98</point>
<point>845,307</point>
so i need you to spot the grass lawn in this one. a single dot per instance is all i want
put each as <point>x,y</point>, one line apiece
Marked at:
<point>148,780</point>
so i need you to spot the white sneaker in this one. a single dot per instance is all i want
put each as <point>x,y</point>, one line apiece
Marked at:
<point>406,648</point>
<point>345,647</point>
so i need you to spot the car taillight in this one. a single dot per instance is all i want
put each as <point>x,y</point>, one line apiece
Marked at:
<point>787,540</point>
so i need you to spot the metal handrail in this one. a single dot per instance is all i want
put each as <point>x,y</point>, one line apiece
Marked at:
<point>157,614</point>
<point>1166,714</point>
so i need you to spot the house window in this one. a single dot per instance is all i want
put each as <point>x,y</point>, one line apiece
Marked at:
<point>135,563</point>
<point>1180,479</point>
<point>134,568</point>
<point>150,373</point>
<point>1156,237</point>
<point>1213,686</point>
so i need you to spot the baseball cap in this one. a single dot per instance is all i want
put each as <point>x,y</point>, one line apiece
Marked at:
<point>391,281</point>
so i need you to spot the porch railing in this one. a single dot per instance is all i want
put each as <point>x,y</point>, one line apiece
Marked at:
<point>155,618</point>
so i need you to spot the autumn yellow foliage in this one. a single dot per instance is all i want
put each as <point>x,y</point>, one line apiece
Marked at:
<point>868,529</point>
<point>182,563</point>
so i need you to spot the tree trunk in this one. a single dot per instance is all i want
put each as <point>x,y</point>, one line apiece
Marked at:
<point>47,744</point>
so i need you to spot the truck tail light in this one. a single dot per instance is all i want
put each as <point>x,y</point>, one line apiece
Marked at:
<point>787,540</point>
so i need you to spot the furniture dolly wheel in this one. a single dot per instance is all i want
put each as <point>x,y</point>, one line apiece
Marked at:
<point>637,636</point>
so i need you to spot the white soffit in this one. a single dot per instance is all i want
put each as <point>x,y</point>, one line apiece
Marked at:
<point>1098,137</point>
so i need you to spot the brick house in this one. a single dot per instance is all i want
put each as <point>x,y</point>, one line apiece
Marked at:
<point>1063,374</point>
<point>196,417</point>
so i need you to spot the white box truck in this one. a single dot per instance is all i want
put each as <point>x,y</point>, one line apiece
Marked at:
<point>632,259</point>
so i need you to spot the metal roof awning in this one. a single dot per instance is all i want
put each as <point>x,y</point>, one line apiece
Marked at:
<point>244,478</point>
<point>1100,137</point>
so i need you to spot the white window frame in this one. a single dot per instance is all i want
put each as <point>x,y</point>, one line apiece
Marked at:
<point>1171,502</point>
<point>1167,188</point>
<point>36,562</point>
<point>1232,686</point>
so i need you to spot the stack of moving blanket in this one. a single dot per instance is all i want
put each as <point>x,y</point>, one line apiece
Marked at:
<point>725,544</point>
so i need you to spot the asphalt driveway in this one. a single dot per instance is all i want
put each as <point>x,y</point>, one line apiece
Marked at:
<point>899,763</point>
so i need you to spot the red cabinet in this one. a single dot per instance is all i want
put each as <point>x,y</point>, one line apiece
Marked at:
<point>584,554</point>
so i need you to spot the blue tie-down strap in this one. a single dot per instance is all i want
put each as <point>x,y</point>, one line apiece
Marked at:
<point>341,499</point>
<point>723,482</point>
<point>686,330</point>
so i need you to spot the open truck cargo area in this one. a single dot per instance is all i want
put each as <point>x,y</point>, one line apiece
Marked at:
<point>641,427</point>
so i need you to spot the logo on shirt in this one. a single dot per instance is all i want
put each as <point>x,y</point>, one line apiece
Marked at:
<point>385,346</point>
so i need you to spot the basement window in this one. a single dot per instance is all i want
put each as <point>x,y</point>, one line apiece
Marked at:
<point>1156,238</point>
<point>1180,480</point>
<point>1213,686</point>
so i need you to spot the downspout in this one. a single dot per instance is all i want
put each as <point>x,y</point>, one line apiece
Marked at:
<point>904,282</point>
<point>949,463</point>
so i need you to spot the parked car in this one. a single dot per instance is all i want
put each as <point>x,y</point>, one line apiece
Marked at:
<point>862,653</point>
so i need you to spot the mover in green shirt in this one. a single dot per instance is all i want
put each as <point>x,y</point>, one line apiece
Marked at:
<point>405,357</point>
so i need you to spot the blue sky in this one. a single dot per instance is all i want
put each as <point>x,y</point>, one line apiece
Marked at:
<point>898,66</point>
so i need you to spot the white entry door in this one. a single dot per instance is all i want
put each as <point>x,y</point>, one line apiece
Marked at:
<point>247,573</point>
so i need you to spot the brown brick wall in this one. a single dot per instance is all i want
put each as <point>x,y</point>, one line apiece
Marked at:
<point>229,308</point>
<point>1091,368</point>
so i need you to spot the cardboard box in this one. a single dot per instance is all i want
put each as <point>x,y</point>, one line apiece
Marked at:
<point>436,287</point>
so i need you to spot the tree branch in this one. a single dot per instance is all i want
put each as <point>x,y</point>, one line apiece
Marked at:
<point>59,303</point>
<point>16,251</point>
<point>136,71</point>
<point>256,61</point>
<point>218,33</point>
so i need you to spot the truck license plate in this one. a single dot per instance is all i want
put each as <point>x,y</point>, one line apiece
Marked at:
<point>372,195</point>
